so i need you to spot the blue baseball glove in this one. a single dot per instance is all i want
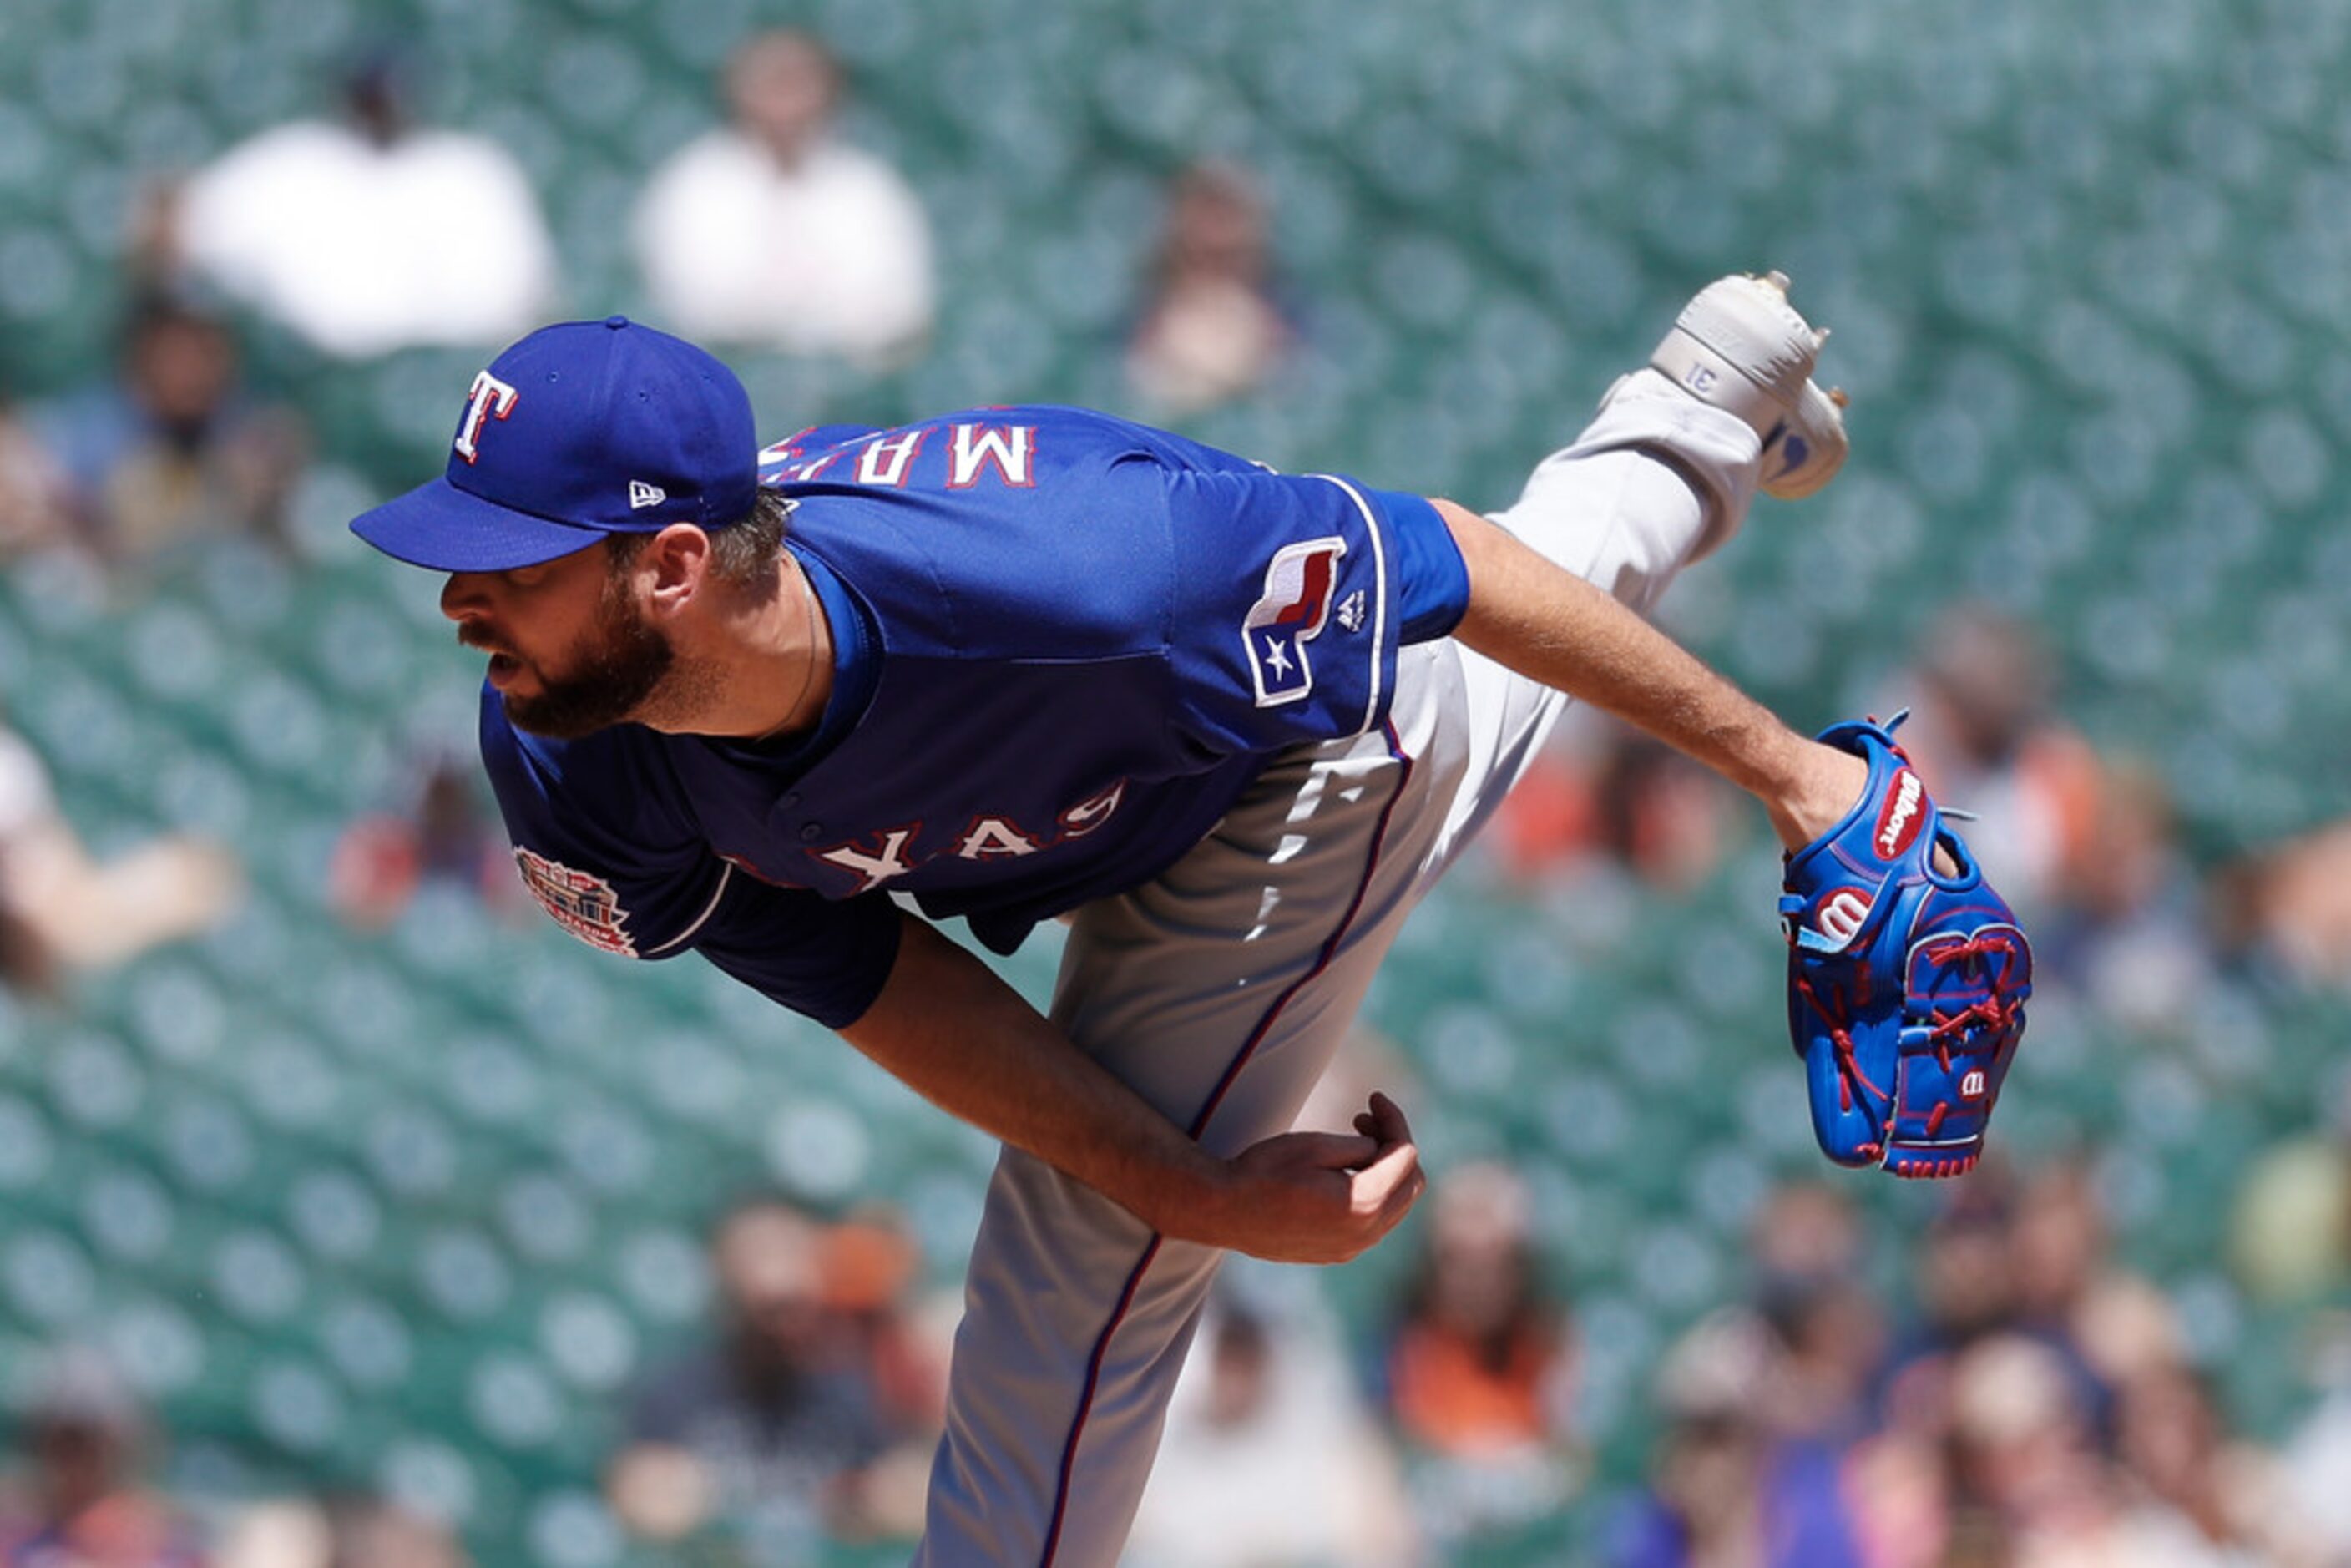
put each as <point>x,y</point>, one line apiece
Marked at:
<point>1905,986</point>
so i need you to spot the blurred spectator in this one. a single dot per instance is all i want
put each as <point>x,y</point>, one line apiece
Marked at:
<point>60,909</point>
<point>901,1348</point>
<point>1726,1490</point>
<point>1831,1336</point>
<point>369,234</point>
<point>1212,325</point>
<point>1661,816</point>
<point>2110,1326</point>
<point>169,450</point>
<point>2007,1261</point>
<point>1602,788</point>
<point>2056,1250</point>
<point>1830,1340</point>
<point>1897,1487</point>
<point>771,231</point>
<point>34,504</point>
<point>1805,1231</point>
<point>80,1504</point>
<point>2196,1497</point>
<point>1481,1367</point>
<point>1547,823</point>
<point>2318,1455</point>
<point>444,836</point>
<point>370,1533</point>
<point>1965,1292</point>
<point>342,1532</point>
<point>1267,1439</point>
<point>2125,921</point>
<point>1985,738</point>
<point>1482,1363</point>
<point>2126,1325</point>
<point>2025,1468</point>
<point>2293,904</point>
<point>2290,1238</point>
<point>763,1442</point>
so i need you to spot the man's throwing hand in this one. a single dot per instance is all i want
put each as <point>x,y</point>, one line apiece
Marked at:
<point>1318,1197</point>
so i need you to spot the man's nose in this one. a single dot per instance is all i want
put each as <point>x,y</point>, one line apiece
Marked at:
<point>464,594</point>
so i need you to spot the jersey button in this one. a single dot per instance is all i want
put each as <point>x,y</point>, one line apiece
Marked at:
<point>811,831</point>
<point>789,801</point>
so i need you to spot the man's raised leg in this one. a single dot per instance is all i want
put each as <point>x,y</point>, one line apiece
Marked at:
<point>1221,990</point>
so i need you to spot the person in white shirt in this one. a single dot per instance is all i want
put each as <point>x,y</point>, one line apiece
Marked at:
<point>1270,1457</point>
<point>372,233</point>
<point>768,232</point>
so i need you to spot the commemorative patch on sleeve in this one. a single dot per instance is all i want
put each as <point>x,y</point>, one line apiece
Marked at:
<point>582,904</point>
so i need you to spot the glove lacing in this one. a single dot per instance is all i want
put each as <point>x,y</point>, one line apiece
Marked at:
<point>1995,1012</point>
<point>1849,1072</point>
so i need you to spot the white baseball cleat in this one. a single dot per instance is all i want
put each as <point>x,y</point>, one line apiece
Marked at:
<point>1741,346</point>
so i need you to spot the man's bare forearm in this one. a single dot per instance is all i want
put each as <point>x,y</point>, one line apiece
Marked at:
<point>955,1034</point>
<point>1549,624</point>
<point>962,1039</point>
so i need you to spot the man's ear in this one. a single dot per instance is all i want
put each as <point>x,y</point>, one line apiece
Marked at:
<point>673,566</point>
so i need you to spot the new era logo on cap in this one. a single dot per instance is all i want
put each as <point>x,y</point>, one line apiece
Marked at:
<point>642,495</point>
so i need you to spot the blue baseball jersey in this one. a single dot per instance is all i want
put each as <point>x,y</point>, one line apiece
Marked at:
<point>1064,645</point>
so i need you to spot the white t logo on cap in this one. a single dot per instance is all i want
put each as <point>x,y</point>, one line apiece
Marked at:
<point>489,396</point>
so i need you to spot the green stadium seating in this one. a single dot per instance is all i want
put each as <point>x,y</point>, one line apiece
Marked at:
<point>409,1209</point>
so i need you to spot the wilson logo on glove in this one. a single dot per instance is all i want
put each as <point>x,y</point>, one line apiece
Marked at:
<point>1898,822</point>
<point>1841,914</point>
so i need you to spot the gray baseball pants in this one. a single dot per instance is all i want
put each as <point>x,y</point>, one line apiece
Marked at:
<point>1221,990</point>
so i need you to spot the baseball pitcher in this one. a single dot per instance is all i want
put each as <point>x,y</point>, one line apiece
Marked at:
<point>789,708</point>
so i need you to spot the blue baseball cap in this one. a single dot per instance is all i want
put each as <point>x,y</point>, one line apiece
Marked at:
<point>581,430</point>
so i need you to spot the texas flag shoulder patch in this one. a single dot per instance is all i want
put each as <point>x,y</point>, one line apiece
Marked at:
<point>581,901</point>
<point>1299,581</point>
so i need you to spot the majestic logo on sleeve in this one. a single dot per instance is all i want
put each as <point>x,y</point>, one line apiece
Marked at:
<point>1297,601</point>
<point>490,399</point>
<point>583,905</point>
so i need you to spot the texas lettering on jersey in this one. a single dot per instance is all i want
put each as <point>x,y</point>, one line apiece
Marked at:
<point>878,858</point>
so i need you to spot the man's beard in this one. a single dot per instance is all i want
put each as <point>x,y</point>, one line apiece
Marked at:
<point>617,666</point>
